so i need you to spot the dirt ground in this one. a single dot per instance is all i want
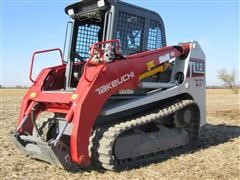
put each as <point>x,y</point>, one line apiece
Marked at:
<point>217,157</point>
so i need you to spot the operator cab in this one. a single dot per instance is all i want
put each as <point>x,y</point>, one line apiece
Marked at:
<point>136,28</point>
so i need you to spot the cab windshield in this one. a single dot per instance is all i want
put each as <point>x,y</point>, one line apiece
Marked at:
<point>87,35</point>
<point>87,30</point>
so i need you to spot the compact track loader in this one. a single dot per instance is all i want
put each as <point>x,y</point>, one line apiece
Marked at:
<point>122,98</point>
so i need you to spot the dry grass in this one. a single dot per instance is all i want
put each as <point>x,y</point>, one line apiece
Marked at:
<point>218,155</point>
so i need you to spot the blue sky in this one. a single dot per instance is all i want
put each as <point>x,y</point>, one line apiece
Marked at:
<point>27,26</point>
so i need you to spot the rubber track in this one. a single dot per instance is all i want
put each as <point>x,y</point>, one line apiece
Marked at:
<point>103,138</point>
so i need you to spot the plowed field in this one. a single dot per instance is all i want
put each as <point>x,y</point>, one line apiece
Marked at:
<point>217,157</point>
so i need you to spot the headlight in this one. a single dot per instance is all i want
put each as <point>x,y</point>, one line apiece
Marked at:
<point>101,3</point>
<point>70,12</point>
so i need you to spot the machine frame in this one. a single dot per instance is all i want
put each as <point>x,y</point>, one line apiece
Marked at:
<point>98,95</point>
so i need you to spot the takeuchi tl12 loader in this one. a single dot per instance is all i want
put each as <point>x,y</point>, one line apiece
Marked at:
<point>122,98</point>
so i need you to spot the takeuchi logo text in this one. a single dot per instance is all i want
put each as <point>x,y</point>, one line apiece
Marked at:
<point>115,83</point>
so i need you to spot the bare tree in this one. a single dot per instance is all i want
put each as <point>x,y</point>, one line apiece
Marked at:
<point>18,87</point>
<point>229,79</point>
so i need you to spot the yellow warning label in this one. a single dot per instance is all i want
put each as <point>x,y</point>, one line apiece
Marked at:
<point>156,70</point>
<point>74,96</point>
<point>150,65</point>
<point>33,95</point>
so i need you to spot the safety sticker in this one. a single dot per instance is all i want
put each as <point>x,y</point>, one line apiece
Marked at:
<point>164,58</point>
<point>150,65</point>
<point>33,95</point>
<point>74,96</point>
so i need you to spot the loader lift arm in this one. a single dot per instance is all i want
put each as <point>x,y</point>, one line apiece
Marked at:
<point>97,84</point>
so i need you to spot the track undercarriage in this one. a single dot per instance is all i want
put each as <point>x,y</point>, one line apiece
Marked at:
<point>146,138</point>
